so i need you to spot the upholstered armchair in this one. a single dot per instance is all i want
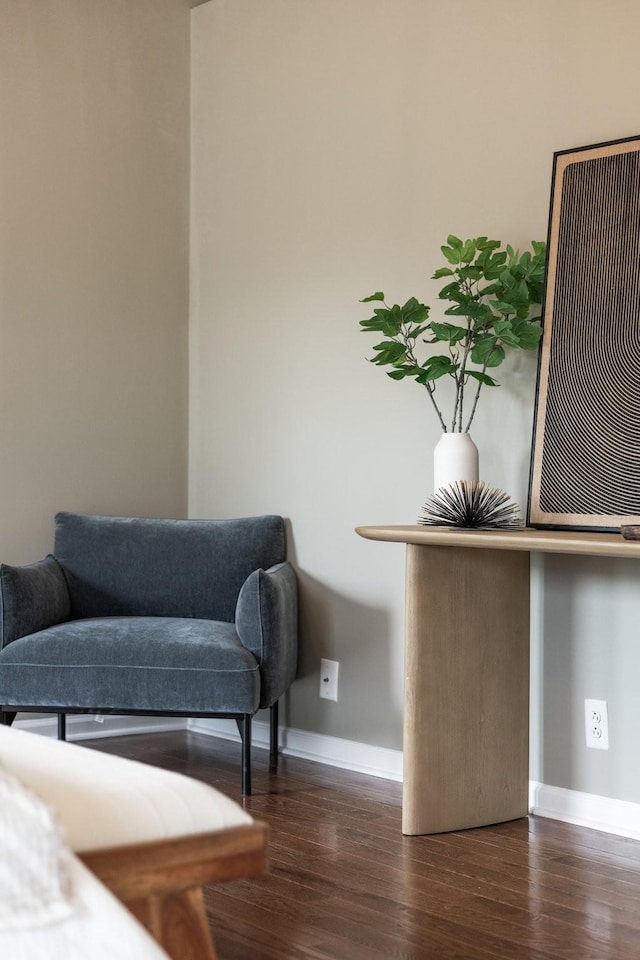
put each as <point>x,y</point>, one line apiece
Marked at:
<point>143,616</point>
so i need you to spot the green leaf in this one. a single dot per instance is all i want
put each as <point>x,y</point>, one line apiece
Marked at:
<point>492,272</point>
<point>384,321</point>
<point>482,315</point>
<point>528,332</point>
<point>410,369</point>
<point>482,260</point>
<point>398,374</point>
<point>436,367</point>
<point>389,351</point>
<point>376,324</point>
<point>483,378</point>
<point>468,251</point>
<point>502,326</point>
<point>506,334</point>
<point>448,332</point>
<point>453,256</point>
<point>431,375</point>
<point>487,351</point>
<point>495,265</point>
<point>507,279</point>
<point>495,358</point>
<point>470,273</point>
<point>451,291</point>
<point>454,242</point>
<point>392,319</point>
<point>490,290</point>
<point>418,331</point>
<point>470,309</point>
<point>442,272</point>
<point>414,312</point>
<point>374,296</point>
<point>503,307</point>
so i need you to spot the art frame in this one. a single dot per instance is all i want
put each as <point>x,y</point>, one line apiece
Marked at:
<point>585,458</point>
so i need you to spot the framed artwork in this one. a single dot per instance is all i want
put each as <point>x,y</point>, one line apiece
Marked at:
<point>585,462</point>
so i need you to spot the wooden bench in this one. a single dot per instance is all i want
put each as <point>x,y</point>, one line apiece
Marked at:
<point>153,837</point>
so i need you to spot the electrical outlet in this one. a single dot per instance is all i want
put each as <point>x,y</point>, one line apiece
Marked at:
<point>596,724</point>
<point>329,679</point>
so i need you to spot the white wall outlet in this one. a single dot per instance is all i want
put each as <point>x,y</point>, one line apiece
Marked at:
<point>596,724</point>
<point>329,679</point>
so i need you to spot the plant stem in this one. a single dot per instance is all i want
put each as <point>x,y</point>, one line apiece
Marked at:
<point>409,342</point>
<point>479,388</point>
<point>461,379</point>
<point>431,391</point>
<point>454,353</point>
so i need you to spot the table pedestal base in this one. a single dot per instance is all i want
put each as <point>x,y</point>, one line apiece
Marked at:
<point>466,721</point>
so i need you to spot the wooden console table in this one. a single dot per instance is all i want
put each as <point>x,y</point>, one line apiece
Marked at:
<point>466,713</point>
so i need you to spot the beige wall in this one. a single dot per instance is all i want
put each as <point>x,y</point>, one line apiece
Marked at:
<point>93,262</point>
<point>335,145</point>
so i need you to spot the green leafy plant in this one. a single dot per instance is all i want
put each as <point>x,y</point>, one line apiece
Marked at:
<point>493,294</point>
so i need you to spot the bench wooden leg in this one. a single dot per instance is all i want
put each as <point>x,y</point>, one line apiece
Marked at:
<point>161,881</point>
<point>178,922</point>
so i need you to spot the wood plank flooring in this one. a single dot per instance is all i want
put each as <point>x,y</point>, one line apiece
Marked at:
<point>345,884</point>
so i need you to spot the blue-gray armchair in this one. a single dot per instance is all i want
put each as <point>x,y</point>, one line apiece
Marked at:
<point>142,616</point>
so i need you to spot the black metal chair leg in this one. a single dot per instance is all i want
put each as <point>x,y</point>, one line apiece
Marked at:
<point>273,737</point>
<point>246,754</point>
<point>7,717</point>
<point>62,726</point>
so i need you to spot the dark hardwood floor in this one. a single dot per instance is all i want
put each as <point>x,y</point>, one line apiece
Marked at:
<point>346,885</point>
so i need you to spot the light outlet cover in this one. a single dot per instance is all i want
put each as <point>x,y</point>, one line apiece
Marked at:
<point>596,724</point>
<point>329,679</point>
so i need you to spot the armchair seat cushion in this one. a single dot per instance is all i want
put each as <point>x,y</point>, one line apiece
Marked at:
<point>153,664</point>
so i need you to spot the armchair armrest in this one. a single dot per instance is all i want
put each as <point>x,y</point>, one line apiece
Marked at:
<point>32,598</point>
<point>267,624</point>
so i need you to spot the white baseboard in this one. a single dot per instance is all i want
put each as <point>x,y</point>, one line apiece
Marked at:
<point>84,727</point>
<point>618,817</point>
<point>570,806</point>
<point>347,754</point>
<point>586,810</point>
<point>334,751</point>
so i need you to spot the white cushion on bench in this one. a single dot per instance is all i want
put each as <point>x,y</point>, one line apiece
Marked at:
<point>99,927</point>
<point>107,801</point>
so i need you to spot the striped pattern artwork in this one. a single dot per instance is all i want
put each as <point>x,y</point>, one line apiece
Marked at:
<point>586,451</point>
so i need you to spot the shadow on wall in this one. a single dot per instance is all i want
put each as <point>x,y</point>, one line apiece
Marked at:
<point>337,627</point>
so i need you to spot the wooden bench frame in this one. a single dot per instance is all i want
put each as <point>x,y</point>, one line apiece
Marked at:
<point>161,882</point>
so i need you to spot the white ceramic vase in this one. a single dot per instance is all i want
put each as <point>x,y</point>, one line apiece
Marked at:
<point>455,457</point>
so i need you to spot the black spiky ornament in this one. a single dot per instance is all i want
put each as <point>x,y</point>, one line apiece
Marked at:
<point>472,505</point>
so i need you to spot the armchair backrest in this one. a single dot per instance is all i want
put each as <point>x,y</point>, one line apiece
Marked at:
<point>123,566</point>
